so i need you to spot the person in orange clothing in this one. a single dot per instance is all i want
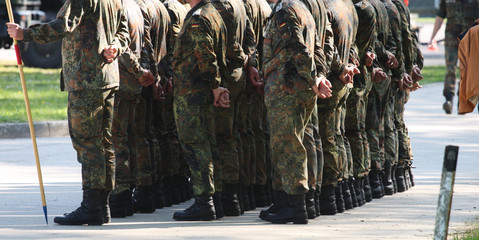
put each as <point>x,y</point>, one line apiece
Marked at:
<point>468,58</point>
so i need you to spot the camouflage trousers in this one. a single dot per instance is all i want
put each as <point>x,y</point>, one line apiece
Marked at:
<point>375,122</point>
<point>451,47</point>
<point>196,131</point>
<point>124,141</point>
<point>246,142</point>
<point>287,117</point>
<point>404,144</point>
<point>228,170</point>
<point>171,161</point>
<point>257,116</point>
<point>90,116</point>
<point>329,122</point>
<point>146,144</point>
<point>355,124</point>
<point>312,144</point>
<point>390,131</point>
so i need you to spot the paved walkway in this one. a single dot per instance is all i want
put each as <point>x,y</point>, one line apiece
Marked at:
<point>409,215</point>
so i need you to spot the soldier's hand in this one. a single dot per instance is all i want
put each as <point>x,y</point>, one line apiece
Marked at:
<point>169,87</point>
<point>416,86</point>
<point>407,81</point>
<point>147,78</point>
<point>348,73</point>
<point>158,93</point>
<point>110,53</point>
<point>416,74</point>
<point>15,31</point>
<point>392,61</point>
<point>369,59</point>
<point>322,88</point>
<point>253,77</point>
<point>222,102</point>
<point>379,75</point>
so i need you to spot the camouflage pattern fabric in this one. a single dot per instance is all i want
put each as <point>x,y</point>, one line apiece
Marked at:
<point>90,115</point>
<point>90,80</point>
<point>199,60</point>
<point>289,72</point>
<point>344,26</point>
<point>126,100</point>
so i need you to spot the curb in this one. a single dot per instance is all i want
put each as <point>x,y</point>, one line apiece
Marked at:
<point>42,129</point>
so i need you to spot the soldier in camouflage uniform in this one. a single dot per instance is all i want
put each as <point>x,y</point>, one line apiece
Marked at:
<point>390,131</point>
<point>402,96</point>
<point>90,74</point>
<point>460,14</point>
<point>379,97</point>
<point>198,63</point>
<point>257,12</point>
<point>228,121</point>
<point>147,145</point>
<point>290,96</point>
<point>171,185</point>
<point>126,99</point>
<point>355,122</point>
<point>344,24</point>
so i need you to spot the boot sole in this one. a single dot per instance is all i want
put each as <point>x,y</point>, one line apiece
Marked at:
<point>95,223</point>
<point>209,218</point>
<point>294,221</point>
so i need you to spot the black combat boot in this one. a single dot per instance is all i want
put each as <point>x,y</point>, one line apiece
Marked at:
<point>401,184</point>
<point>447,106</point>
<point>202,209</point>
<point>327,201</point>
<point>348,201</point>
<point>90,211</point>
<point>375,183</point>
<point>260,196</point>
<point>293,211</point>
<point>280,198</point>
<point>316,201</point>
<point>393,178</point>
<point>143,199</point>
<point>176,189</point>
<point>387,180</point>
<point>158,194</point>
<point>350,183</point>
<point>268,190</point>
<point>407,178</point>
<point>245,198</point>
<point>310,206</point>
<point>252,202</point>
<point>105,208</point>
<point>359,189</point>
<point>231,205</point>
<point>368,194</point>
<point>217,201</point>
<point>338,191</point>
<point>121,204</point>
<point>411,177</point>
<point>167,191</point>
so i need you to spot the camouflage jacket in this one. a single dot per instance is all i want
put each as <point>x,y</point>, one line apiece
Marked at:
<point>159,25</point>
<point>130,69</point>
<point>240,37</point>
<point>177,13</point>
<point>407,36</point>
<point>199,55</point>
<point>383,35</point>
<point>459,13</point>
<point>395,46</point>
<point>86,28</point>
<point>290,38</point>
<point>365,39</point>
<point>257,12</point>
<point>344,23</point>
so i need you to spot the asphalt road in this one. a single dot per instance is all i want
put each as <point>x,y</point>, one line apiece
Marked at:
<point>409,215</point>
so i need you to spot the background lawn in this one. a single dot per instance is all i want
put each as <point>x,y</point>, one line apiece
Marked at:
<point>46,100</point>
<point>49,103</point>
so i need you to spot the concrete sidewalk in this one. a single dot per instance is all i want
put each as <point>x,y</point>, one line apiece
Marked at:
<point>409,215</point>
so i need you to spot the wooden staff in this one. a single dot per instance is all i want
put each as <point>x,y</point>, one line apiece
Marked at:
<point>29,113</point>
